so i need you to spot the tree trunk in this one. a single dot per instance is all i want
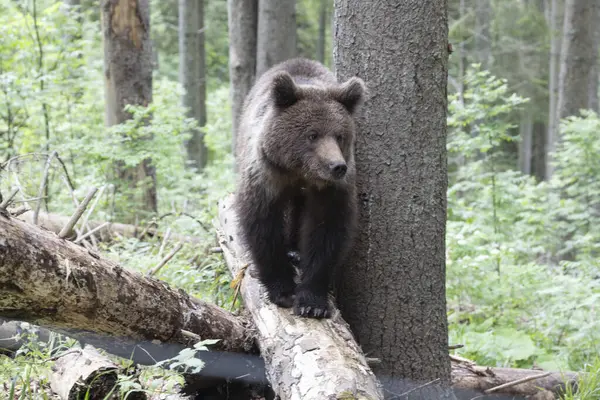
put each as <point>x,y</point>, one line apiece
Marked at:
<point>483,42</point>
<point>128,77</point>
<point>393,289</point>
<point>554,20</point>
<point>55,283</point>
<point>192,74</point>
<point>276,40</point>
<point>305,359</point>
<point>576,61</point>
<point>595,70</point>
<point>322,30</point>
<point>526,144</point>
<point>242,18</point>
<point>538,163</point>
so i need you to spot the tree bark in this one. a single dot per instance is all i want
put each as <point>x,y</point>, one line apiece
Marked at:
<point>55,283</point>
<point>192,74</point>
<point>242,18</point>
<point>276,40</point>
<point>81,371</point>
<point>128,77</point>
<point>304,358</point>
<point>393,290</point>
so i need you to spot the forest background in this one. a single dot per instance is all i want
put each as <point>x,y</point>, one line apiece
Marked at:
<point>523,229</point>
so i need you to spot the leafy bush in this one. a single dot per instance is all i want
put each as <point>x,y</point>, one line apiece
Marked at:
<point>513,299</point>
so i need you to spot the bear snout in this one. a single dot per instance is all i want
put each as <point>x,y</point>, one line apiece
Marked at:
<point>338,169</point>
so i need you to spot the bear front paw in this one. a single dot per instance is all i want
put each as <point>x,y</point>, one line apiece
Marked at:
<point>281,294</point>
<point>309,305</point>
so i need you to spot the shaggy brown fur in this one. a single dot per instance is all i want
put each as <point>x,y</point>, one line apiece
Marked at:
<point>296,187</point>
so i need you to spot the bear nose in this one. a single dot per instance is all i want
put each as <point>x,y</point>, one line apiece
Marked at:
<point>338,169</point>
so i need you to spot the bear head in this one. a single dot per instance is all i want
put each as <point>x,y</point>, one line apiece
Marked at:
<point>311,133</point>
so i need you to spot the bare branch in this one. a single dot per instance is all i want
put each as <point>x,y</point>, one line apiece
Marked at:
<point>517,382</point>
<point>43,184</point>
<point>89,233</point>
<point>78,212</point>
<point>4,205</point>
<point>165,260</point>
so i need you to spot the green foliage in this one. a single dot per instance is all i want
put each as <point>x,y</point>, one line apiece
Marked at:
<point>513,298</point>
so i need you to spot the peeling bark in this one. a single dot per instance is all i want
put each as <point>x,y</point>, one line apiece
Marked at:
<point>83,371</point>
<point>304,358</point>
<point>55,283</point>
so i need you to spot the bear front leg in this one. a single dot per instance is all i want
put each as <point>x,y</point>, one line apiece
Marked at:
<point>262,222</point>
<point>325,236</point>
<point>296,211</point>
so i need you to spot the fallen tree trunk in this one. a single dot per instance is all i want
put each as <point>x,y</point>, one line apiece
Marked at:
<point>55,283</point>
<point>55,222</point>
<point>304,358</point>
<point>83,372</point>
<point>508,381</point>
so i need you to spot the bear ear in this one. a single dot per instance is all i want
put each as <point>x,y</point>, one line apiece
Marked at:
<point>351,94</point>
<point>284,90</point>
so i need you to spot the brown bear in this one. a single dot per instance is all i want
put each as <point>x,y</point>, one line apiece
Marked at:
<point>296,180</point>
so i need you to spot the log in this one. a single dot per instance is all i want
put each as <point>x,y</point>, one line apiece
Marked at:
<point>304,358</point>
<point>466,375</point>
<point>57,284</point>
<point>55,222</point>
<point>83,371</point>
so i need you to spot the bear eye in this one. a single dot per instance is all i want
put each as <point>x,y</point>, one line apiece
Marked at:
<point>312,136</point>
<point>339,138</point>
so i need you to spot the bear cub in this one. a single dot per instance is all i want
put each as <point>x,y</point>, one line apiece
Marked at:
<point>296,181</point>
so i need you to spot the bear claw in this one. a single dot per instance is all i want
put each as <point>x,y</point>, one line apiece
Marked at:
<point>309,306</point>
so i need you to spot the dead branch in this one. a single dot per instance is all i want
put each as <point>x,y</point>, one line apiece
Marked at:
<point>304,358</point>
<point>66,230</point>
<point>43,184</point>
<point>9,199</point>
<point>165,260</point>
<point>55,222</point>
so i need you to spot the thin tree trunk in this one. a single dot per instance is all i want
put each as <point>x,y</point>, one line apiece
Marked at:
<point>322,30</point>
<point>538,163</point>
<point>128,77</point>
<point>525,146</point>
<point>555,23</point>
<point>276,40</point>
<point>242,18</point>
<point>192,74</point>
<point>393,288</point>
<point>483,43</point>
<point>595,70</point>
